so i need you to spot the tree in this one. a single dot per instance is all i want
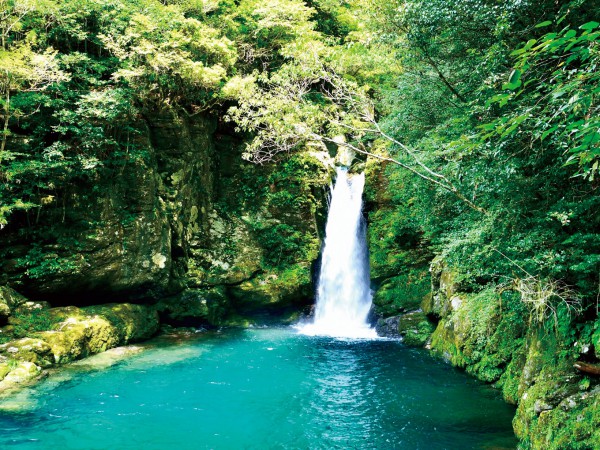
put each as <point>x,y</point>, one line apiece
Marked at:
<point>309,103</point>
<point>22,69</point>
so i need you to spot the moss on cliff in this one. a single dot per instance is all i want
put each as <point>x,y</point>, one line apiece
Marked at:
<point>188,213</point>
<point>402,293</point>
<point>495,336</point>
<point>72,333</point>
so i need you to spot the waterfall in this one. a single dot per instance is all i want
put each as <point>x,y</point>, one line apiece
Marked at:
<point>343,291</point>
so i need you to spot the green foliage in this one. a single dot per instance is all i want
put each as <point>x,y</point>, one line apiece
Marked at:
<point>79,76</point>
<point>478,99</point>
<point>551,97</point>
<point>39,264</point>
<point>25,322</point>
<point>402,293</point>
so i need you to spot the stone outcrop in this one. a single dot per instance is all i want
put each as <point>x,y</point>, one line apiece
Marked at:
<point>195,307</point>
<point>184,212</point>
<point>75,333</point>
<point>9,301</point>
<point>491,336</point>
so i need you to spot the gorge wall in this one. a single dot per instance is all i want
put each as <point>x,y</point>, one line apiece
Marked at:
<point>189,223</point>
<point>496,333</point>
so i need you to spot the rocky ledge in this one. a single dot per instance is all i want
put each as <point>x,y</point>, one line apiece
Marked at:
<point>552,378</point>
<point>61,335</point>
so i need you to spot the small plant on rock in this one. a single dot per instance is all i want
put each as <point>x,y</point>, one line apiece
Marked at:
<point>545,298</point>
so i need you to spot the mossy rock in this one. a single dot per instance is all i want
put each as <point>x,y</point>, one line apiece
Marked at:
<point>65,312</point>
<point>445,286</point>
<point>72,333</point>
<point>551,388</point>
<point>65,348</point>
<point>94,329</point>
<point>509,380</point>
<point>28,319</point>
<point>572,424</point>
<point>71,341</point>
<point>23,372</point>
<point>415,329</point>
<point>427,304</point>
<point>133,322</point>
<point>195,307</point>
<point>388,327</point>
<point>9,300</point>
<point>446,343</point>
<point>235,255</point>
<point>401,293</point>
<point>5,368</point>
<point>272,290</point>
<point>463,334</point>
<point>29,349</point>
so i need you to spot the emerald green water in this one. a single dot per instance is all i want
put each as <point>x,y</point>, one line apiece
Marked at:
<point>265,389</point>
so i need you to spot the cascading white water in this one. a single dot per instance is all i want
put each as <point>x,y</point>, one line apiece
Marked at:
<point>343,292</point>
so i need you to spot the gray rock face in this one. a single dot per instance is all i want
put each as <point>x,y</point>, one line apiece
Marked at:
<point>388,327</point>
<point>123,233</point>
<point>170,220</point>
<point>9,301</point>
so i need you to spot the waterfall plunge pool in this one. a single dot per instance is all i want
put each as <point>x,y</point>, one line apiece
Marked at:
<point>264,389</point>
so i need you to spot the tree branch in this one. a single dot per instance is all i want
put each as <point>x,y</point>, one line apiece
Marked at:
<point>446,186</point>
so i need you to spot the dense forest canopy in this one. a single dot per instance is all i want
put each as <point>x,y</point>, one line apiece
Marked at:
<point>476,122</point>
<point>484,113</point>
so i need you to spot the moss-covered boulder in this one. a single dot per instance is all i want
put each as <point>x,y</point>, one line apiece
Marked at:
<point>195,307</point>
<point>234,255</point>
<point>33,350</point>
<point>476,334</point>
<point>444,286</point>
<point>19,373</point>
<point>388,327</point>
<point>9,300</point>
<point>273,290</point>
<point>573,423</point>
<point>415,328</point>
<point>402,293</point>
<point>79,332</point>
<point>557,407</point>
<point>133,323</point>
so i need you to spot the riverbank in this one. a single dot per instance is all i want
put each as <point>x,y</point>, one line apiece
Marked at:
<point>57,336</point>
<point>494,338</point>
<point>37,338</point>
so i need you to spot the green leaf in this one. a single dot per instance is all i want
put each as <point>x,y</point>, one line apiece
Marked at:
<point>570,34</point>
<point>515,76</point>
<point>546,133</point>
<point>589,26</point>
<point>544,24</point>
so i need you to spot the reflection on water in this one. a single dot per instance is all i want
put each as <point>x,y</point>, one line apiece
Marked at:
<point>342,404</point>
<point>263,389</point>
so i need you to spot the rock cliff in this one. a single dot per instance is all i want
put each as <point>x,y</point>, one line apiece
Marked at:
<point>186,213</point>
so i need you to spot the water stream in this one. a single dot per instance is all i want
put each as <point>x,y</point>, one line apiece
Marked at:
<point>344,296</point>
<point>271,388</point>
<point>263,389</point>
